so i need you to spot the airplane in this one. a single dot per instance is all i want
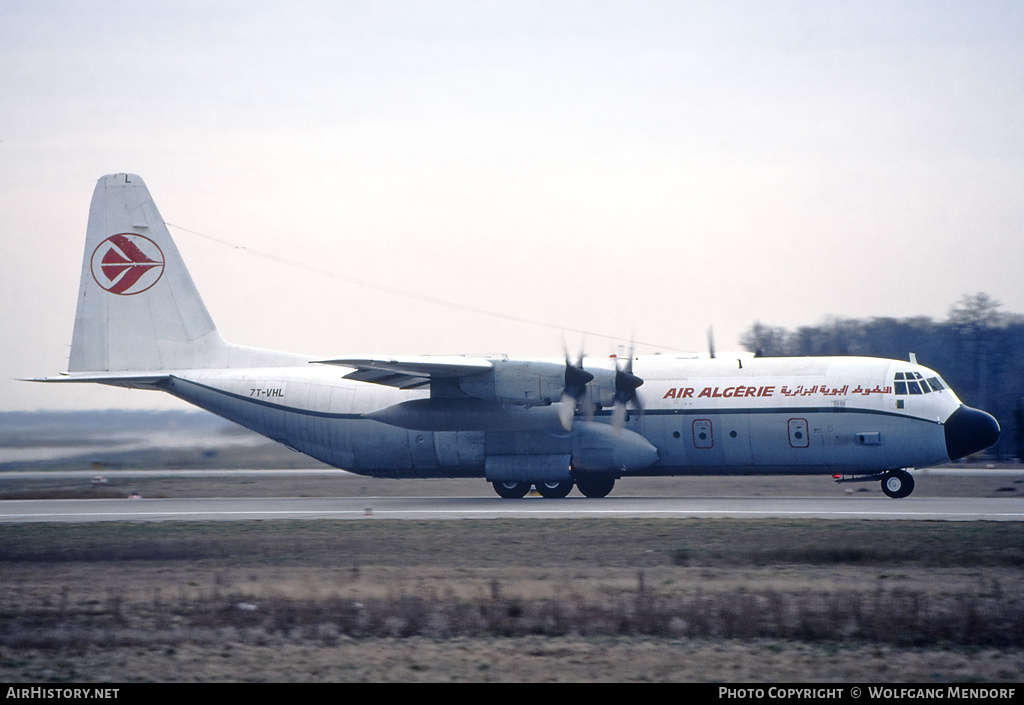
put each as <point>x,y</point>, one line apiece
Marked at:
<point>549,424</point>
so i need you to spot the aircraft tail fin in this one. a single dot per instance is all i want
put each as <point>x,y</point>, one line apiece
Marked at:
<point>138,308</point>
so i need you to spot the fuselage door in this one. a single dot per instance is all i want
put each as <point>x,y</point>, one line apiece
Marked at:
<point>798,437</point>
<point>702,434</point>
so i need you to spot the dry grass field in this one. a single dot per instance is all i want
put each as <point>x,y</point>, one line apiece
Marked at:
<point>512,601</point>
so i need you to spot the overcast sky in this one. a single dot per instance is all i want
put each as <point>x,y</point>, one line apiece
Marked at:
<point>625,169</point>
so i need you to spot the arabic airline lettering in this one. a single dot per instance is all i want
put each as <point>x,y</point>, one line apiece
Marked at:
<point>551,424</point>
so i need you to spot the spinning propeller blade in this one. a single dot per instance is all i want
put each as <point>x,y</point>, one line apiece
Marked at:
<point>575,390</point>
<point>626,384</point>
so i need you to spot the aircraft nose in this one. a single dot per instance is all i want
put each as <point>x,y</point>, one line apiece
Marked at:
<point>969,431</point>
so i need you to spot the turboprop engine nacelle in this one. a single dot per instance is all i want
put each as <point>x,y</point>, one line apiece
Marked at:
<point>597,447</point>
<point>466,415</point>
<point>535,382</point>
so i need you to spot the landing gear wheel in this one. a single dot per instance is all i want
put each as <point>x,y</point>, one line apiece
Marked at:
<point>595,486</point>
<point>898,484</point>
<point>554,490</point>
<point>511,490</point>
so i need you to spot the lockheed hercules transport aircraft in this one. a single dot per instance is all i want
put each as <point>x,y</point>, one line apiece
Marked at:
<point>549,424</point>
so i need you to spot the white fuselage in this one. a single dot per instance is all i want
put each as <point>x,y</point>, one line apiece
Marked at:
<point>704,416</point>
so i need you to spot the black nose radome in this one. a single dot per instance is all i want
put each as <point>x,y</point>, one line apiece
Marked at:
<point>969,431</point>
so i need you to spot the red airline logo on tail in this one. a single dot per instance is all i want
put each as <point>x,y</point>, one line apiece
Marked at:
<point>127,264</point>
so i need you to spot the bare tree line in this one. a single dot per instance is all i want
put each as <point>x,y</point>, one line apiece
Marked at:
<point>978,350</point>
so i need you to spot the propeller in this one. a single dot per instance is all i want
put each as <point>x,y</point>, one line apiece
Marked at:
<point>575,390</point>
<point>626,384</point>
<point>711,342</point>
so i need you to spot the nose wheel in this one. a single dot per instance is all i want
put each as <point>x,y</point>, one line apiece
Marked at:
<point>898,484</point>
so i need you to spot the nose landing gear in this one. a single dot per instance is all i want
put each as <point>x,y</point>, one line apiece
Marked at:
<point>897,484</point>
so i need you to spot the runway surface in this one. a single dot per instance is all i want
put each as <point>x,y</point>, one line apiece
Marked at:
<point>448,508</point>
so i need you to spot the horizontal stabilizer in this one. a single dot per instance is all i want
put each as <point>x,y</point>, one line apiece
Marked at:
<point>130,380</point>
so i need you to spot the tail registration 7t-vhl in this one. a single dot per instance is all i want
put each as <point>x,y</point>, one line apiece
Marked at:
<point>518,423</point>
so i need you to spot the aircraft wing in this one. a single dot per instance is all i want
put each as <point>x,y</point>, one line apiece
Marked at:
<point>410,372</point>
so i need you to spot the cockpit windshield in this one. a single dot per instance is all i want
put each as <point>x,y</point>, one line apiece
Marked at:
<point>914,383</point>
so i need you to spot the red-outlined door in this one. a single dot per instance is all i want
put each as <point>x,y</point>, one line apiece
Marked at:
<point>798,436</point>
<point>703,434</point>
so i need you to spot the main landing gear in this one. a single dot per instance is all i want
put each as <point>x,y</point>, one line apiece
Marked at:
<point>554,490</point>
<point>512,490</point>
<point>598,486</point>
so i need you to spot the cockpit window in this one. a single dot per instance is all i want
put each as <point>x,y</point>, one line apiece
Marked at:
<point>913,383</point>
<point>898,383</point>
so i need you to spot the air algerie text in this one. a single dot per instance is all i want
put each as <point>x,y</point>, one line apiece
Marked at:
<point>727,393</point>
<point>771,390</point>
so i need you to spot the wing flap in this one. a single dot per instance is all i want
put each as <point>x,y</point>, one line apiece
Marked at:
<point>410,372</point>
